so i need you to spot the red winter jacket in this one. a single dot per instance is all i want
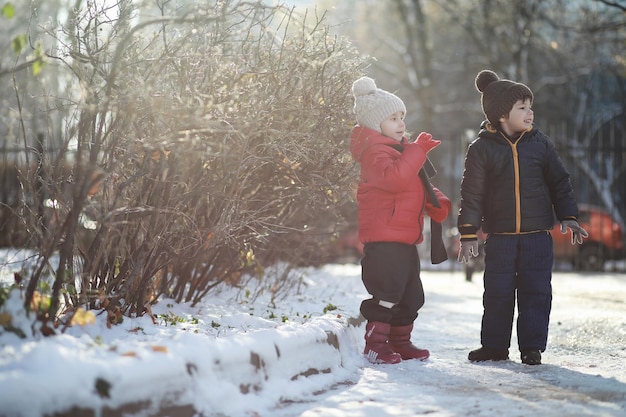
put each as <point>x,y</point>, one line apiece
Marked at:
<point>391,197</point>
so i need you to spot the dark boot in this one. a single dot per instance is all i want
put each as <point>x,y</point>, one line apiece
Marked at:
<point>531,357</point>
<point>377,348</point>
<point>488,354</point>
<point>400,342</point>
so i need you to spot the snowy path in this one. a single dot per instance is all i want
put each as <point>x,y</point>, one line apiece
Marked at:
<point>584,371</point>
<point>236,357</point>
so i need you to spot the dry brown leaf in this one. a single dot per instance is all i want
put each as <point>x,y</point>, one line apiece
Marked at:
<point>161,349</point>
<point>156,155</point>
<point>148,309</point>
<point>5,319</point>
<point>114,317</point>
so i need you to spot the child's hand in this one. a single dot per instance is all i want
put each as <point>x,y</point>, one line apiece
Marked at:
<point>468,250</point>
<point>426,141</point>
<point>578,233</point>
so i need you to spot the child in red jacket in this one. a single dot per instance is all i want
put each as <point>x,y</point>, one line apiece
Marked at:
<point>393,198</point>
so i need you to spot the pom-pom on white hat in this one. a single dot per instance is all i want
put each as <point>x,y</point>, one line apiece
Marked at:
<point>372,105</point>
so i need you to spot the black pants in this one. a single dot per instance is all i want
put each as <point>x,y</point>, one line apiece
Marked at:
<point>391,272</point>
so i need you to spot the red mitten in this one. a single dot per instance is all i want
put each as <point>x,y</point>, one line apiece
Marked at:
<point>426,142</point>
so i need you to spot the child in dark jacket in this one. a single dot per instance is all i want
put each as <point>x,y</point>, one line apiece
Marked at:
<point>392,201</point>
<point>513,185</point>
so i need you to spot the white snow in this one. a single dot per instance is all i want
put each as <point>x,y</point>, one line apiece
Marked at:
<point>254,356</point>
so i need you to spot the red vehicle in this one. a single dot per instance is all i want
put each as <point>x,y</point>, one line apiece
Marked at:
<point>606,241</point>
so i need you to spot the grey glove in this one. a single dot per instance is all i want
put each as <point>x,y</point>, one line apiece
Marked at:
<point>578,233</point>
<point>468,250</point>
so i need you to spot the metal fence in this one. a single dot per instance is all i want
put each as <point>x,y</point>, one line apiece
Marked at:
<point>596,163</point>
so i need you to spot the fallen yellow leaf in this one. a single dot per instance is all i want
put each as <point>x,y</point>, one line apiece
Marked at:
<point>83,317</point>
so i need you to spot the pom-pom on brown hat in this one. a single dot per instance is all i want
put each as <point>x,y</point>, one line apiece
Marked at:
<point>372,105</point>
<point>498,95</point>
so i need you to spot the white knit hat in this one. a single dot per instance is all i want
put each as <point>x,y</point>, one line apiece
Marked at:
<point>373,105</point>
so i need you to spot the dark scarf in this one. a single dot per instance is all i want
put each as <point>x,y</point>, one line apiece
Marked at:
<point>438,252</point>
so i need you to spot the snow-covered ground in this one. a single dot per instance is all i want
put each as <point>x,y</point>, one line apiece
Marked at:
<point>238,355</point>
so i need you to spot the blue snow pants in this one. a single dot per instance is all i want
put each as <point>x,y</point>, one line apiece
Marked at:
<point>517,265</point>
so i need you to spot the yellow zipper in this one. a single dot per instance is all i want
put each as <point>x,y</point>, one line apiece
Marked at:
<point>518,198</point>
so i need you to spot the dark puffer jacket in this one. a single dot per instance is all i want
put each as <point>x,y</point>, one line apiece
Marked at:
<point>513,187</point>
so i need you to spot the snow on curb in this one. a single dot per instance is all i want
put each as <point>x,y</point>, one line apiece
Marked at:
<point>218,376</point>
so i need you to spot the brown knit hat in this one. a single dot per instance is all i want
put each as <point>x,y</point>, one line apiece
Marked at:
<point>499,96</point>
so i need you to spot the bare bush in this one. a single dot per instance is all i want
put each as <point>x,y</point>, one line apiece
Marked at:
<point>207,148</point>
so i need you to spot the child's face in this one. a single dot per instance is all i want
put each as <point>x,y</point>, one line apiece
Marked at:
<point>519,120</point>
<point>393,126</point>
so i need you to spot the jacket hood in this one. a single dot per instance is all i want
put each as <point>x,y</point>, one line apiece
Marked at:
<point>362,138</point>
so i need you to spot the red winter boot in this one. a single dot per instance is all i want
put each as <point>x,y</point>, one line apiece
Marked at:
<point>400,342</point>
<point>377,349</point>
